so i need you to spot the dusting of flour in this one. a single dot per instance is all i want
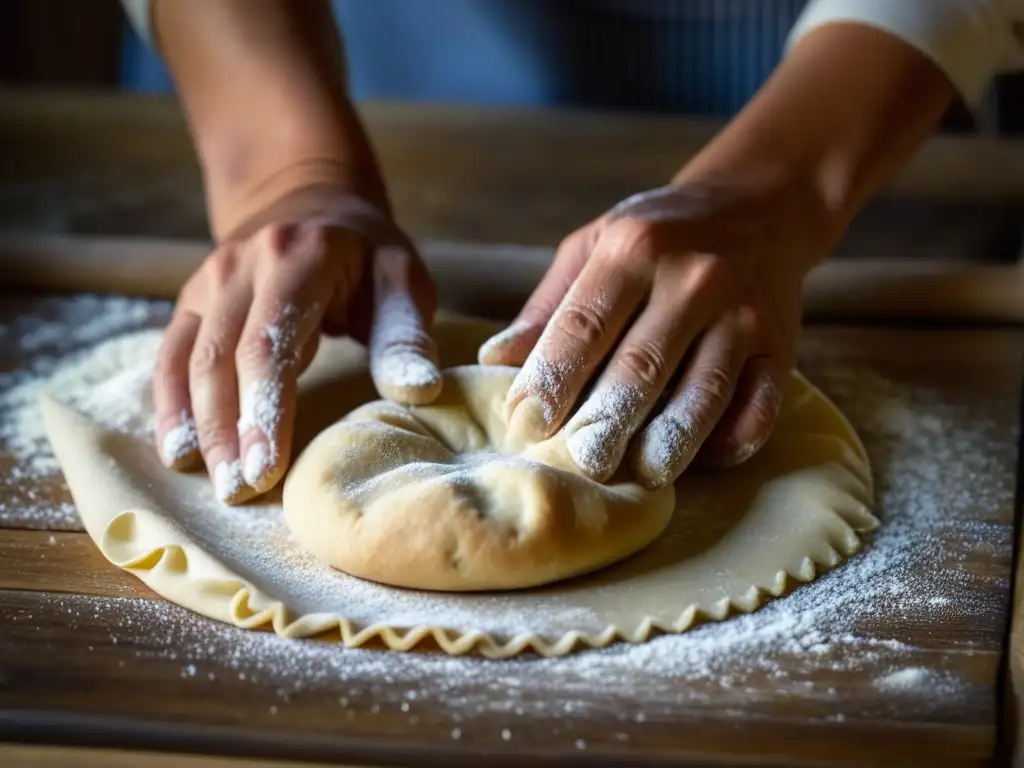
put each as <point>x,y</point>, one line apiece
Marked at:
<point>75,348</point>
<point>939,456</point>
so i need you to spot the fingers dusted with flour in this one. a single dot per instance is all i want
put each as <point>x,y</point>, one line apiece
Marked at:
<point>177,441</point>
<point>248,324</point>
<point>747,425</point>
<point>582,330</point>
<point>667,446</point>
<point>299,272</point>
<point>690,282</point>
<point>512,345</point>
<point>641,366</point>
<point>403,356</point>
<point>299,210</point>
<point>702,278</point>
<point>221,300</point>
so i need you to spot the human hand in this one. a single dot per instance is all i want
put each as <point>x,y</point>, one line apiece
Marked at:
<point>248,322</point>
<point>697,282</point>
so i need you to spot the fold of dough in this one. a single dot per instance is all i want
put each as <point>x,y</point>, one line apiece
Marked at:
<point>736,537</point>
<point>441,497</point>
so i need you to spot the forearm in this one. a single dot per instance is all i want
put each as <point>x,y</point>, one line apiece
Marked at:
<point>843,112</point>
<point>263,86</point>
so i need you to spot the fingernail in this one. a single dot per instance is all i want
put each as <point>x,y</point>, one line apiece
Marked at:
<point>500,342</point>
<point>529,417</point>
<point>181,441</point>
<point>738,453</point>
<point>529,422</point>
<point>663,451</point>
<point>227,480</point>
<point>257,461</point>
<point>598,435</point>
<point>405,369</point>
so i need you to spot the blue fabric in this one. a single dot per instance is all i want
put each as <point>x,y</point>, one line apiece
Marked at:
<point>698,57</point>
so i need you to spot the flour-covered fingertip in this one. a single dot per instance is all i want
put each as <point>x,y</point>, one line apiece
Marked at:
<point>256,464</point>
<point>405,376</point>
<point>228,482</point>
<point>663,451</point>
<point>598,435</point>
<point>179,448</point>
<point>503,347</point>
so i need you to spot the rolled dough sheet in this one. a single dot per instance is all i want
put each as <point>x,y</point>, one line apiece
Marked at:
<point>737,537</point>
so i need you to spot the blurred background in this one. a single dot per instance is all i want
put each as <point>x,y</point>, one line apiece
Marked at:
<point>691,57</point>
<point>687,58</point>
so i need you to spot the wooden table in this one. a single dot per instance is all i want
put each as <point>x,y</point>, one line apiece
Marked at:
<point>88,656</point>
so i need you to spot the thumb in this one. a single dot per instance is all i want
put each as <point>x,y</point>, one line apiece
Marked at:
<point>513,345</point>
<point>403,356</point>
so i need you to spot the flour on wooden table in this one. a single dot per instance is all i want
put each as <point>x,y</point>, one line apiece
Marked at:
<point>73,347</point>
<point>938,457</point>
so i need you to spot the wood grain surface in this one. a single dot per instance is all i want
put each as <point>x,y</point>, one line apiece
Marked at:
<point>89,656</point>
<point>876,289</point>
<point>124,165</point>
<point>36,756</point>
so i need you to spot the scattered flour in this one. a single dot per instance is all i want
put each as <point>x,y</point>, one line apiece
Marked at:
<point>47,342</point>
<point>911,677</point>
<point>940,456</point>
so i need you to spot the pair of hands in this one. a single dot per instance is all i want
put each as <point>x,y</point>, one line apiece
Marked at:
<point>682,303</point>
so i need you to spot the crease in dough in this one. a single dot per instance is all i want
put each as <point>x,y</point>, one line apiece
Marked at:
<point>442,497</point>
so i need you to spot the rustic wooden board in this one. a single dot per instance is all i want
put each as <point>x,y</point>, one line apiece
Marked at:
<point>80,662</point>
<point>35,756</point>
<point>87,655</point>
<point>94,682</point>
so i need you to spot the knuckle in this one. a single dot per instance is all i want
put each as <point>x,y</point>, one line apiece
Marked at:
<point>313,243</point>
<point>762,419</point>
<point>276,238</point>
<point>763,408</point>
<point>223,265</point>
<point>306,243</point>
<point>214,435</point>
<point>166,366</point>
<point>706,272</point>
<point>572,244</point>
<point>582,323</point>
<point>208,357</point>
<point>255,350</point>
<point>630,239</point>
<point>712,388</point>
<point>644,362</point>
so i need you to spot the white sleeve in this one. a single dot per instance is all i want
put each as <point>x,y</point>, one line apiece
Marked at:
<point>137,12</point>
<point>970,40</point>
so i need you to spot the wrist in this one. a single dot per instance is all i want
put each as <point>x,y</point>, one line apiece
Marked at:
<point>769,194</point>
<point>302,189</point>
<point>324,206</point>
<point>263,86</point>
<point>837,119</point>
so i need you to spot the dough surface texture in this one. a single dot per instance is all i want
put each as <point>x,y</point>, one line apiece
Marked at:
<point>736,537</point>
<point>440,497</point>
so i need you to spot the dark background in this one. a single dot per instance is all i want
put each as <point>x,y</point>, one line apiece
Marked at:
<point>691,57</point>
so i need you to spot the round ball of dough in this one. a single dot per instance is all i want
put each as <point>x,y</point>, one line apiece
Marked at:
<point>440,497</point>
